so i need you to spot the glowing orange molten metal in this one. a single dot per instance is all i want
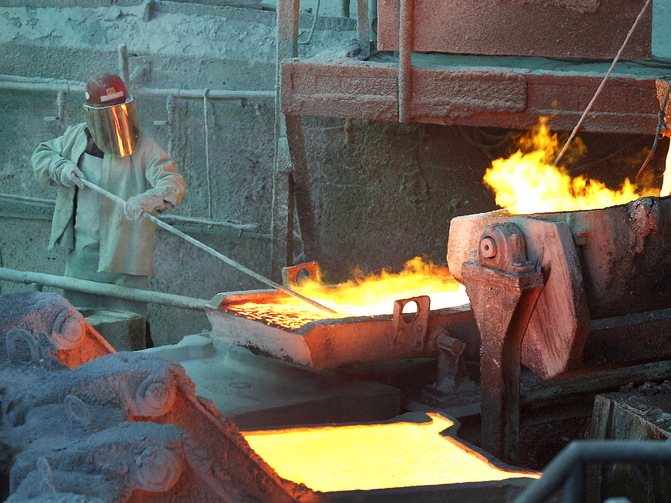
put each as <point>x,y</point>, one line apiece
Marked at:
<point>365,457</point>
<point>361,296</point>
<point>526,182</point>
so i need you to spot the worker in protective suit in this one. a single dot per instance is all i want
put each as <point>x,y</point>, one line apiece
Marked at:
<point>107,242</point>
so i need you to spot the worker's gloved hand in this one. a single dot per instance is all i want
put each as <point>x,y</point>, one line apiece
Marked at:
<point>70,175</point>
<point>147,201</point>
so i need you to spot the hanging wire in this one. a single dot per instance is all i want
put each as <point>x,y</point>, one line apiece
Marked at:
<point>582,168</point>
<point>483,141</point>
<point>603,82</point>
<point>314,23</point>
<point>207,154</point>
<point>660,122</point>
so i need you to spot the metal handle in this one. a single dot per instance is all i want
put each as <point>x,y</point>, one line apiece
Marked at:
<point>210,250</point>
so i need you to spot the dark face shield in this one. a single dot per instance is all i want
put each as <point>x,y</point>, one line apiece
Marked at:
<point>115,128</point>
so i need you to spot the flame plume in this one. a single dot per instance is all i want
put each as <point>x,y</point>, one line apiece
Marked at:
<point>527,182</point>
<point>361,296</point>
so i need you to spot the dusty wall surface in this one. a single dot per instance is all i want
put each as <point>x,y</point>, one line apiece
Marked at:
<point>385,192</point>
<point>199,48</point>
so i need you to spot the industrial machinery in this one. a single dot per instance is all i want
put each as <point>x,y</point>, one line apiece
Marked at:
<point>553,292</point>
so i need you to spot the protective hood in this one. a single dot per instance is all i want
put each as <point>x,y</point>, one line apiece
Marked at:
<point>114,128</point>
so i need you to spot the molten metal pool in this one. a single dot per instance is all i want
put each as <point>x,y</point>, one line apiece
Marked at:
<point>366,457</point>
<point>363,296</point>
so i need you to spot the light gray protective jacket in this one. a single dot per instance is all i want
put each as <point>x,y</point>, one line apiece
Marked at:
<point>126,246</point>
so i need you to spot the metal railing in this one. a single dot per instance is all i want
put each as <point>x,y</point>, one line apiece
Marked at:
<point>567,470</point>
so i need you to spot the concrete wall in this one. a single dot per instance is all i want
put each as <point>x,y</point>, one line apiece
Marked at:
<point>385,191</point>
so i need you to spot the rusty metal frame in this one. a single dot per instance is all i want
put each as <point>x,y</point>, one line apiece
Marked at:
<point>503,288</point>
<point>568,468</point>
<point>330,343</point>
<point>405,35</point>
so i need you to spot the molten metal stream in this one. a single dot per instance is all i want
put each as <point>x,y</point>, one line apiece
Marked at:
<point>365,457</point>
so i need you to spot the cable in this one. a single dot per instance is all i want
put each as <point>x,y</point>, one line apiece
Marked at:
<point>314,23</point>
<point>660,121</point>
<point>603,82</point>
<point>578,170</point>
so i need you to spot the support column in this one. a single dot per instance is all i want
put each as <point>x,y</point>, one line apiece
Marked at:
<point>305,207</point>
<point>503,288</point>
<point>283,186</point>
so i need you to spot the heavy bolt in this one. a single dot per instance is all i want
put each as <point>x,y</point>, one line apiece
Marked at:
<point>488,247</point>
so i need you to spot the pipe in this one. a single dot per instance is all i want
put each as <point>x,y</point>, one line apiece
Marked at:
<point>28,199</point>
<point>170,113</point>
<point>171,219</point>
<point>206,127</point>
<point>122,54</point>
<point>405,35</point>
<point>105,289</point>
<point>11,83</point>
<point>582,452</point>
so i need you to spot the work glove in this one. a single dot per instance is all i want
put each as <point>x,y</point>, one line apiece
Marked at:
<point>149,201</point>
<point>70,175</point>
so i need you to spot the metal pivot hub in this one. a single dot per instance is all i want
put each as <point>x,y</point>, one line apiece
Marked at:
<point>503,287</point>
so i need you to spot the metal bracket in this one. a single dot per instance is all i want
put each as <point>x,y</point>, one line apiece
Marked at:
<point>452,373</point>
<point>503,287</point>
<point>293,275</point>
<point>408,330</point>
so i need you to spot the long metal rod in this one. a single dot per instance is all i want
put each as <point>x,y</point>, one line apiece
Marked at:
<point>212,251</point>
<point>170,219</point>
<point>107,290</point>
<point>584,452</point>
<point>405,39</point>
<point>206,221</point>
<point>603,83</point>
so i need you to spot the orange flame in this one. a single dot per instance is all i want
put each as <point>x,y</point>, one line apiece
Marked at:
<point>526,182</point>
<point>361,296</point>
<point>365,457</point>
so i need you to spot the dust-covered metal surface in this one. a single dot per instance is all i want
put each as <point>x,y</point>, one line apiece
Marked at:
<point>330,343</point>
<point>623,252</point>
<point>597,264</point>
<point>503,286</point>
<point>551,28</point>
<point>117,426</point>
<point>37,325</point>
<point>451,89</point>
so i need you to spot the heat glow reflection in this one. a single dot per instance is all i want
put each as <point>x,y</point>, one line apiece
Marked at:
<point>361,296</point>
<point>120,119</point>
<point>365,457</point>
<point>526,182</point>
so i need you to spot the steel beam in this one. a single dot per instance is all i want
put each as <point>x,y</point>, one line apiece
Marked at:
<point>452,91</point>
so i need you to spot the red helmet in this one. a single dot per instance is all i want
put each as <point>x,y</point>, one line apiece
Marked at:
<point>105,89</point>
